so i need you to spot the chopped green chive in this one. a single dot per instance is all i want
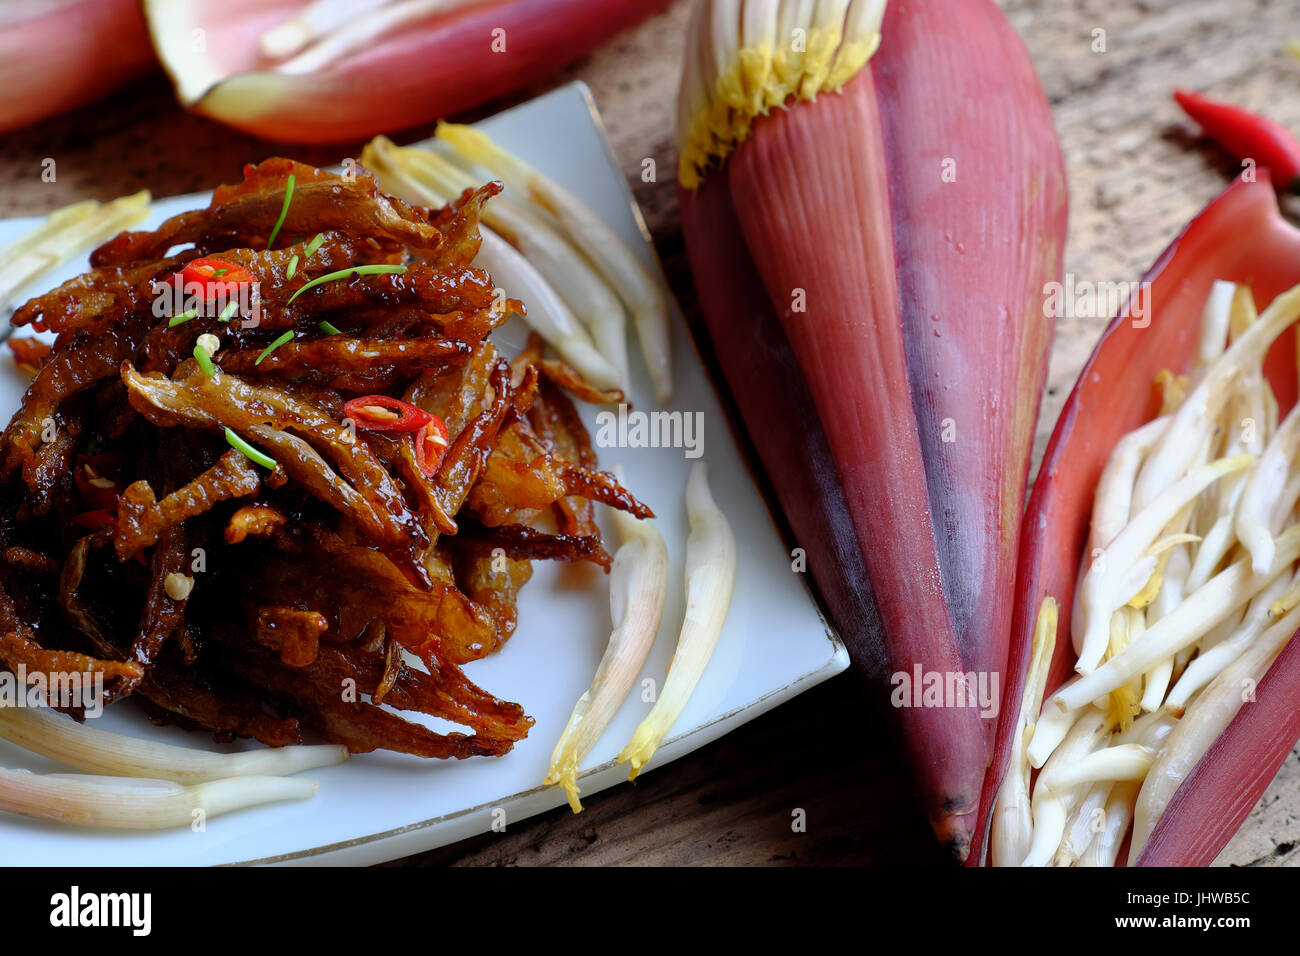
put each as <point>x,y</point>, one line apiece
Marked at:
<point>205,361</point>
<point>184,317</point>
<point>219,272</point>
<point>248,451</point>
<point>329,329</point>
<point>347,273</point>
<point>287,337</point>
<point>313,246</point>
<point>284,211</point>
<point>231,308</point>
<point>293,268</point>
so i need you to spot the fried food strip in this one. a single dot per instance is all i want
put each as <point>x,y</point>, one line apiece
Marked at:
<point>306,466</point>
<point>141,518</point>
<point>441,295</point>
<point>49,465</point>
<point>522,542</point>
<point>459,224</point>
<point>442,690</point>
<point>179,695</point>
<point>363,728</point>
<point>456,395</point>
<point>470,326</point>
<point>435,613</point>
<point>17,650</point>
<point>493,580</point>
<point>520,478</point>
<point>94,299</point>
<point>470,449</point>
<point>392,670</point>
<point>338,362</point>
<point>254,520</point>
<point>98,300</point>
<point>293,633</point>
<point>165,602</point>
<point>331,250</point>
<point>321,690</point>
<point>30,560</point>
<point>260,414</point>
<point>399,454</point>
<point>73,367</point>
<point>74,609</point>
<point>29,354</point>
<point>459,699</point>
<point>248,212</point>
<point>603,487</point>
<point>163,615</point>
<point>557,425</point>
<point>569,379</point>
<point>561,373</point>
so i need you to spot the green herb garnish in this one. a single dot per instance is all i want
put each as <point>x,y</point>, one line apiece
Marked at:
<point>293,268</point>
<point>313,246</point>
<point>329,329</point>
<point>205,361</point>
<point>284,211</point>
<point>229,310</point>
<point>287,337</point>
<point>248,451</point>
<point>184,317</point>
<point>347,273</point>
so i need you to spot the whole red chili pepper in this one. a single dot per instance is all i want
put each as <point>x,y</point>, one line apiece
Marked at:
<point>381,413</point>
<point>1247,135</point>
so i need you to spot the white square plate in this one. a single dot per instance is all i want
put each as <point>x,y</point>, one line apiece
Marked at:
<point>381,806</point>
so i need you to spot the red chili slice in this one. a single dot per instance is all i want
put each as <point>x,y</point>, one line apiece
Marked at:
<point>96,520</point>
<point>213,273</point>
<point>98,491</point>
<point>380,413</point>
<point>431,443</point>
<point>102,519</point>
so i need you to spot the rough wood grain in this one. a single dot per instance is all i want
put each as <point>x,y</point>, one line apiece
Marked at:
<point>1138,172</point>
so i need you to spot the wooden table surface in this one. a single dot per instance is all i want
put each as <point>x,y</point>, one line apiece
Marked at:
<point>1137,172</point>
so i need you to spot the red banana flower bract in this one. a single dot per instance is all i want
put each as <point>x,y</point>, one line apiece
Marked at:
<point>1240,237</point>
<point>56,56</point>
<point>906,486</point>
<point>420,71</point>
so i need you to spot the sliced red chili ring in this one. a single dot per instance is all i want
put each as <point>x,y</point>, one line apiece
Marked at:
<point>102,519</point>
<point>212,273</point>
<point>97,490</point>
<point>431,443</point>
<point>96,520</point>
<point>381,413</point>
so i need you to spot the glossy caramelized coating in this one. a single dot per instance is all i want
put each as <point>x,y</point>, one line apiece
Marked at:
<point>222,593</point>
